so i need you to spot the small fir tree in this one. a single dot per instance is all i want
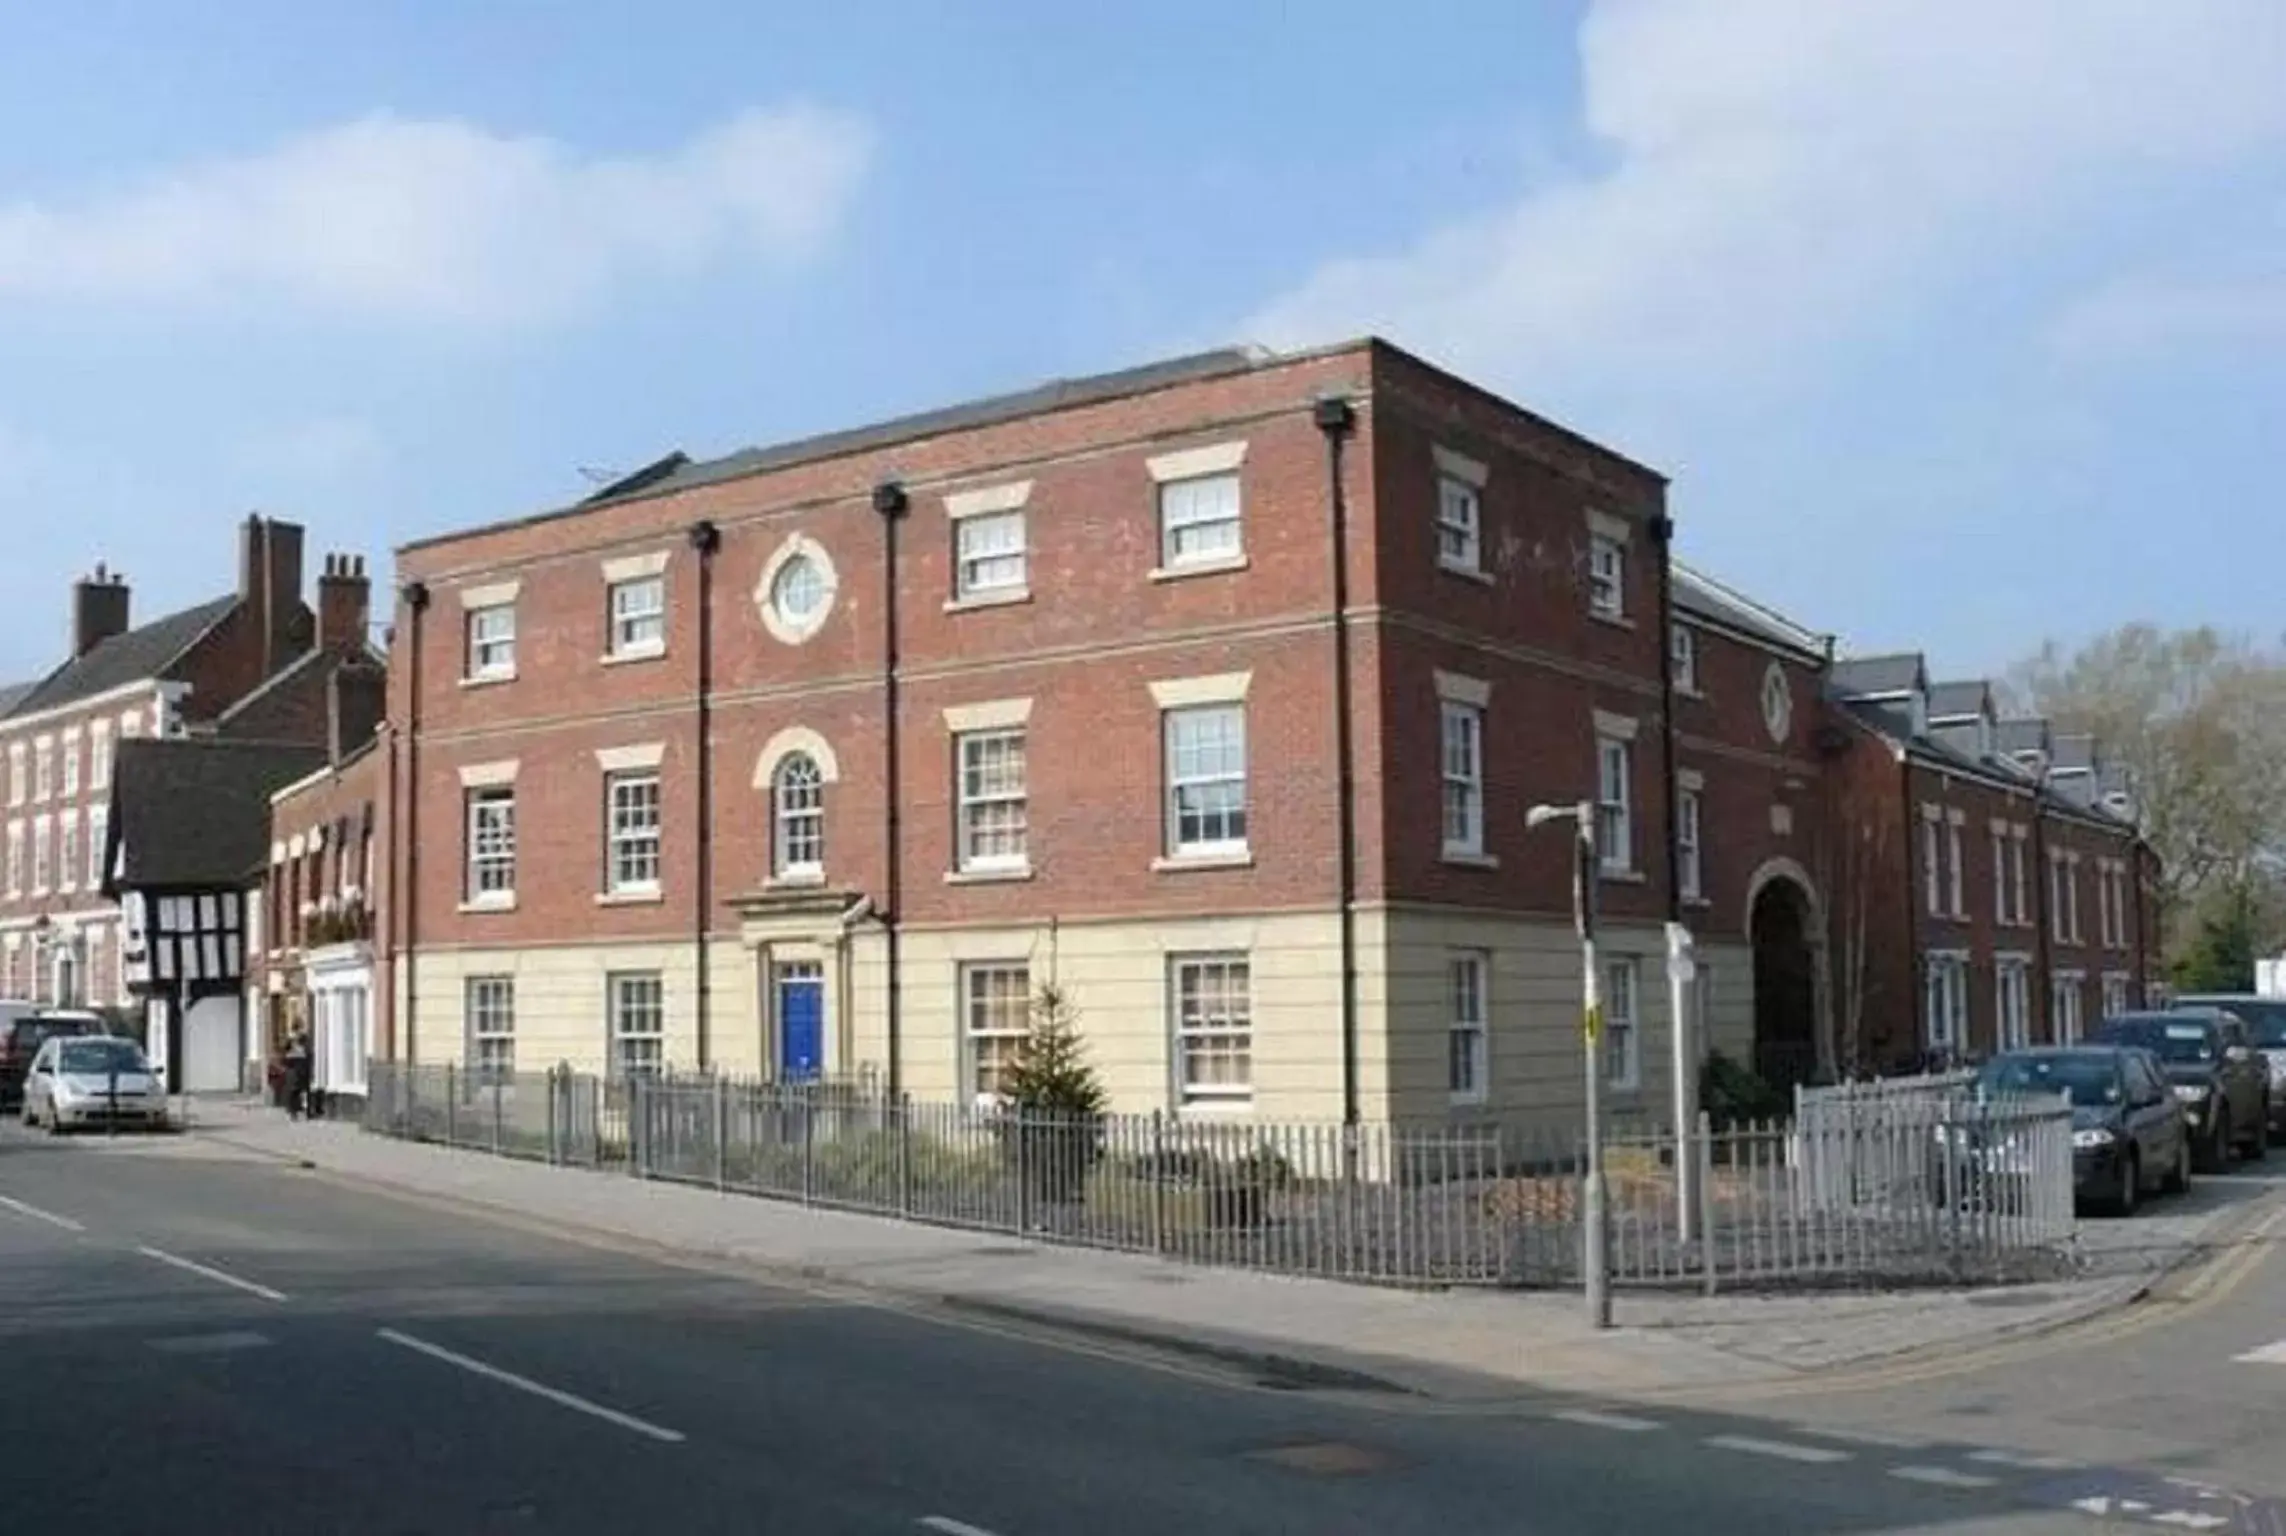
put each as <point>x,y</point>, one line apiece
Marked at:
<point>1051,1074</point>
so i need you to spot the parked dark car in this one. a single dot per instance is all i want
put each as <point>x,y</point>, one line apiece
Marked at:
<point>20,1040</point>
<point>2129,1132</point>
<point>2223,1083</point>
<point>2266,1021</point>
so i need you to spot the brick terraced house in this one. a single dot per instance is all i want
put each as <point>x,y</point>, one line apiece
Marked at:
<point>249,665</point>
<point>1216,689</point>
<point>1995,889</point>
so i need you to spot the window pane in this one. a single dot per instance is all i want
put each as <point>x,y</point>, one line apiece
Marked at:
<point>1199,519</point>
<point>996,1004</point>
<point>1214,1029</point>
<point>1206,774</point>
<point>799,795</point>
<point>992,798</point>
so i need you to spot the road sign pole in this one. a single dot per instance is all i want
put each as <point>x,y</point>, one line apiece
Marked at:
<point>1682,975</point>
<point>1595,1247</point>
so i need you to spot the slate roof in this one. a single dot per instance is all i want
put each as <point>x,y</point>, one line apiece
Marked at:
<point>1700,594</point>
<point>195,810</point>
<point>678,472</point>
<point>1893,721</point>
<point>2023,733</point>
<point>146,651</point>
<point>1854,677</point>
<point>2075,751</point>
<point>1967,697</point>
<point>11,692</point>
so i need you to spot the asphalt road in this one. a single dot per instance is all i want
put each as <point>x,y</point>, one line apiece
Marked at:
<point>193,1343</point>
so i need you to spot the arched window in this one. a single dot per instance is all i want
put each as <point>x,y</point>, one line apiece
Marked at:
<point>797,794</point>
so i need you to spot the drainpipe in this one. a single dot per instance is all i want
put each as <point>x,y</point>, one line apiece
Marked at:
<point>891,503</point>
<point>2043,884</point>
<point>2135,894</point>
<point>705,539</point>
<point>1916,878</point>
<point>416,596</point>
<point>1337,419</point>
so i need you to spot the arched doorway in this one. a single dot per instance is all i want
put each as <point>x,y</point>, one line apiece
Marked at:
<point>1785,984</point>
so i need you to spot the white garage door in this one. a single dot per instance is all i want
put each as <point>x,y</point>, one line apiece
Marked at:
<point>210,1047</point>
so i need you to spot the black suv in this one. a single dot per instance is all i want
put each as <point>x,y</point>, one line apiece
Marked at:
<point>2266,1022</point>
<point>20,1040</point>
<point>2221,1079</point>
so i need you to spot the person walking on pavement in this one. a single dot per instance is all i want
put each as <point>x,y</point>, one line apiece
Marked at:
<point>297,1074</point>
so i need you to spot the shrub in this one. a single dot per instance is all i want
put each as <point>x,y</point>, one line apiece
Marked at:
<point>1730,1093</point>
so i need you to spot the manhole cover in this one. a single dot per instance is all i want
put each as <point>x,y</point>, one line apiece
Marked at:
<point>1326,1458</point>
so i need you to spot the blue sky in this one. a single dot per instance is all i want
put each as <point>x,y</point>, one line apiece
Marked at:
<point>1957,326</point>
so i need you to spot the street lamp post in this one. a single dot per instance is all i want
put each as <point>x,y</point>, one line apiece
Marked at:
<point>1595,1249</point>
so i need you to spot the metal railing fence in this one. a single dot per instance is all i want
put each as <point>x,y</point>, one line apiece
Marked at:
<point>1929,1189</point>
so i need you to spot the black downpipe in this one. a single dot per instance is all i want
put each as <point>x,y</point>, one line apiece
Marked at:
<point>891,503</point>
<point>2044,883</point>
<point>705,539</point>
<point>416,604</point>
<point>1915,884</point>
<point>1336,419</point>
<point>1663,535</point>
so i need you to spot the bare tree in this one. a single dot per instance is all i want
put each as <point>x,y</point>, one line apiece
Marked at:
<point>1857,858</point>
<point>2198,720</point>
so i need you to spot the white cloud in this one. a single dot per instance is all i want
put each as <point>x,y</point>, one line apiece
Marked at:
<point>2143,315</point>
<point>440,220</point>
<point>1786,175</point>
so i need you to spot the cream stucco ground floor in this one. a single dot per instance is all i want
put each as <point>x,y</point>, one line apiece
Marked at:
<point>1460,1014</point>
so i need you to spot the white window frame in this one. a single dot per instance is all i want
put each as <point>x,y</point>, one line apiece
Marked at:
<point>998,566</point>
<point>632,817</point>
<point>1212,502</point>
<point>2072,898</point>
<point>98,833</point>
<point>2012,1002</point>
<point>19,777</point>
<point>16,836</point>
<point>2118,989</point>
<point>1468,1029</point>
<point>636,609</point>
<point>67,850</point>
<point>1233,820</point>
<point>1460,526</point>
<point>1226,1034</point>
<point>1607,576</point>
<point>43,770</point>
<point>99,755</point>
<point>2020,867</point>
<point>1622,1022</point>
<point>68,745</point>
<point>1956,871</point>
<point>797,826</point>
<point>1615,804</point>
<point>488,1014</point>
<point>1932,862</point>
<point>1461,750</point>
<point>489,823</point>
<point>2002,915</point>
<point>1683,657</point>
<point>491,642</point>
<point>1690,821</point>
<point>43,854</point>
<point>635,1006</point>
<point>2067,1005</point>
<point>996,1016</point>
<point>976,799</point>
<point>1945,1001</point>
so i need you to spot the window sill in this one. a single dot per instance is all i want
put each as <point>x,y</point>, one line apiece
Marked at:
<point>1468,858</point>
<point>1473,1100</point>
<point>1221,565</point>
<point>628,658</point>
<point>488,904</point>
<point>1699,694</point>
<point>1624,876</point>
<point>1179,863</point>
<point>634,898</point>
<point>1475,573</point>
<point>487,679</point>
<point>990,598</point>
<point>1615,620</point>
<point>989,875</point>
<point>1699,903</point>
<point>797,880</point>
<point>1237,1107</point>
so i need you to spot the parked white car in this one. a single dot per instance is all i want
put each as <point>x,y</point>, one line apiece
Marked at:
<point>83,1080</point>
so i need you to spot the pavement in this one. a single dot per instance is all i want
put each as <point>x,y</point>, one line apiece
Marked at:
<point>1457,1345</point>
<point>199,1337</point>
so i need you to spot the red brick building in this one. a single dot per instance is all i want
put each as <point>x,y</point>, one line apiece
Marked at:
<point>1217,690</point>
<point>1995,894</point>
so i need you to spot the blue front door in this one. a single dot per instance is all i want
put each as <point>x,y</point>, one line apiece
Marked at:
<point>801,1023</point>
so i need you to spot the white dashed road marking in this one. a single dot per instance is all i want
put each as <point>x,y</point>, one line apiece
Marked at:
<point>2023,1461</point>
<point>210,1343</point>
<point>1599,1420</point>
<point>1943,1477</point>
<point>952,1527</point>
<point>1784,1450</point>
<point>526,1384</point>
<point>33,1211</point>
<point>219,1277</point>
<point>2268,1354</point>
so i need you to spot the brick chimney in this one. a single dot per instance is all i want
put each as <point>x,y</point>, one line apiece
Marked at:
<point>356,696</point>
<point>344,605</point>
<point>270,584</point>
<point>98,610</point>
